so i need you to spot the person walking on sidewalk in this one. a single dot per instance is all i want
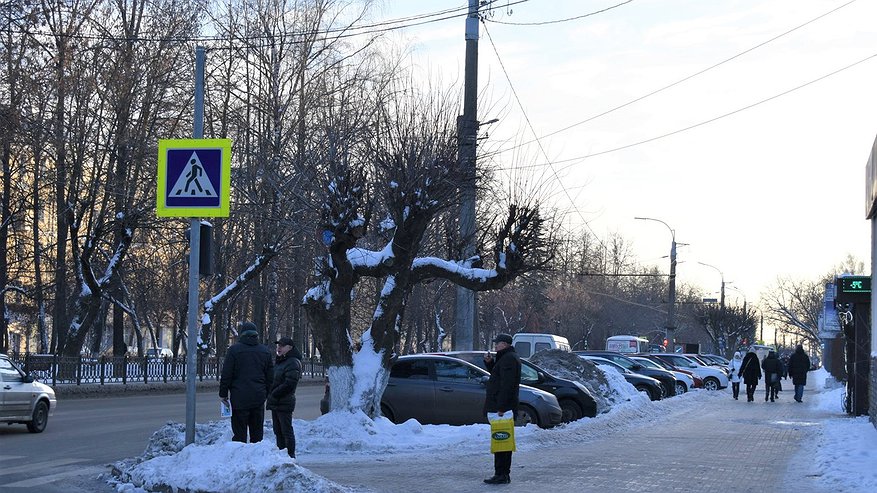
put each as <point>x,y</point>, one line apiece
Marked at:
<point>734,367</point>
<point>773,371</point>
<point>502,396</point>
<point>751,373</point>
<point>247,373</point>
<point>799,365</point>
<point>281,395</point>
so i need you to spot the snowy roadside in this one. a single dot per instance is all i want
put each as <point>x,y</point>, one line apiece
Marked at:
<point>844,452</point>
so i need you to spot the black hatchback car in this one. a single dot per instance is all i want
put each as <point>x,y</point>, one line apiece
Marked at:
<point>575,400</point>
<point>667,379</point>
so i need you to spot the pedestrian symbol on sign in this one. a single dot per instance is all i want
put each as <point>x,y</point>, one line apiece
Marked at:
<point>192,181</point>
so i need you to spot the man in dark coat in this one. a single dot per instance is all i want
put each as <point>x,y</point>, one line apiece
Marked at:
<point>247,373</point>
<point>751,373</point>
<point>502,396</point>
<point>773,371</point>
<point>799,365</point>
<point>281,395</point>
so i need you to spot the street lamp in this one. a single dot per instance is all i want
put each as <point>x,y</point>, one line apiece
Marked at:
<point>722,298</point>
<point>671,312</point>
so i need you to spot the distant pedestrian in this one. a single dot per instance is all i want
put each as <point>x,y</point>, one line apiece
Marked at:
<point>247,374</point>
<point>799,365</point>
<point>773,371</point>
<point>751,373</point>
<point>281,395</point>
<point>502,396</point>
<point>734,367</point>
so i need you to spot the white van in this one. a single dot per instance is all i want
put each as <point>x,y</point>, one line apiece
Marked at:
<point>627,344</point>
<point>527,343</point>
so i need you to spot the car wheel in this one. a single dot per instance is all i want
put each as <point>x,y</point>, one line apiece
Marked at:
<point>571,411</point>
<point>645,390</point>
<point>526,415</point>
<point>40,418</point>
<point>711,383</point>
<point>385,411</point>
<point>681,388</point>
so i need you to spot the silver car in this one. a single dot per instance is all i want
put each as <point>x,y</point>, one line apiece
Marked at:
<point>438,389</point>
<point>23,400</point>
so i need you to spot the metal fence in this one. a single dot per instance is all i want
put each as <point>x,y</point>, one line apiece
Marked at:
<point>77,370</point>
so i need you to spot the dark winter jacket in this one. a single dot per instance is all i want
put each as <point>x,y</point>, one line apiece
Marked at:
<point>247,373</point>
<point>799,365</point>
<point>773,368</point>
<point>504,382</point>
<point>750,370</point>
<point>287,372</point>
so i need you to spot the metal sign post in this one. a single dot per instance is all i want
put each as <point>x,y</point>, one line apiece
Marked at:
<point>194,181</point>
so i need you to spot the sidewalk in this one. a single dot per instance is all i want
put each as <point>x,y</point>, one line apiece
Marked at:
<point>726,446</point>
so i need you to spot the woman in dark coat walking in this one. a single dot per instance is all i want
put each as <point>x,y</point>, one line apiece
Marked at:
<point>281,395</point>
<point>751,373</point>
<point>773,371</point>
<point>799,365</point>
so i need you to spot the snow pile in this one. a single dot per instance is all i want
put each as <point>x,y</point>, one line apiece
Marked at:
<point>226,467</point>
<point>607,388</point>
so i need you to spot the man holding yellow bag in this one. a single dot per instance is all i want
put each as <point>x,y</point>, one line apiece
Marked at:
<point>502,399</point>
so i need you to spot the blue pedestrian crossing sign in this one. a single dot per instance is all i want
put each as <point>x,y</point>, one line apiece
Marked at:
<point>194,177</point>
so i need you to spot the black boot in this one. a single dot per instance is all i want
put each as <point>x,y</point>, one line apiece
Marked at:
<point>498,479</point>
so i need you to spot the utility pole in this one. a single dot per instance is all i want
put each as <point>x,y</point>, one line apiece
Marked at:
<point>467,130</point>
<point>670,329</point>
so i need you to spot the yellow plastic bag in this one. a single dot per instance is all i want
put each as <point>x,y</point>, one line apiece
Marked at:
<point>502,434</point>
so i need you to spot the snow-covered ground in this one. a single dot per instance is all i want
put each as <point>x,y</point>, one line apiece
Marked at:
<point>844,454</point>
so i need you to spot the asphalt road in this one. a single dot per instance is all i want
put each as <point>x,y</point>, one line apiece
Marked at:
<point>85,435</point>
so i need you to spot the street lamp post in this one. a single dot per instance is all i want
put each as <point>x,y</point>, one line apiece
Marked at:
<point>722,298</point>
<point>669,330</point>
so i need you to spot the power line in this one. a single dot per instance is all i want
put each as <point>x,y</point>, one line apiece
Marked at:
<point>680,81</point>
<point>306,36</point>
<point>558,21</point>
<point>533,130</point>
<point>690,127</point>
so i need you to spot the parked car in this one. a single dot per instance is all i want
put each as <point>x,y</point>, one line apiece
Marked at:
<point>159,353</point>
<point>647,385</point>
<point>704,361</point>
<point>698,382</point>
<point>715,359</point>
<point>440,389</point>
<point>574,398</point>
<point>23,399</point>
<point>713,379</point>
<point>667,379</point>
<point>684,381</point>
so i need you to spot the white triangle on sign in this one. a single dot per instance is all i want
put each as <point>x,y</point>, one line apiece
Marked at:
<point>193,181</point>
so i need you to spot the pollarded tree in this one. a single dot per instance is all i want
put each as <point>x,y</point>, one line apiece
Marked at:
<point>415,178</point>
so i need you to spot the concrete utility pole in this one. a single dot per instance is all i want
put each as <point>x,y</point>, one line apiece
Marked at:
<point>467,130</point>
<point>670,329</point>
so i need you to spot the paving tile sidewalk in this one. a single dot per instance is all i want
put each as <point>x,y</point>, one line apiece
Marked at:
<point>725,446</point>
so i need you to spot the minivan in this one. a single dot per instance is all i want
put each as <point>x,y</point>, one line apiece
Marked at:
<point>527,343</point>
